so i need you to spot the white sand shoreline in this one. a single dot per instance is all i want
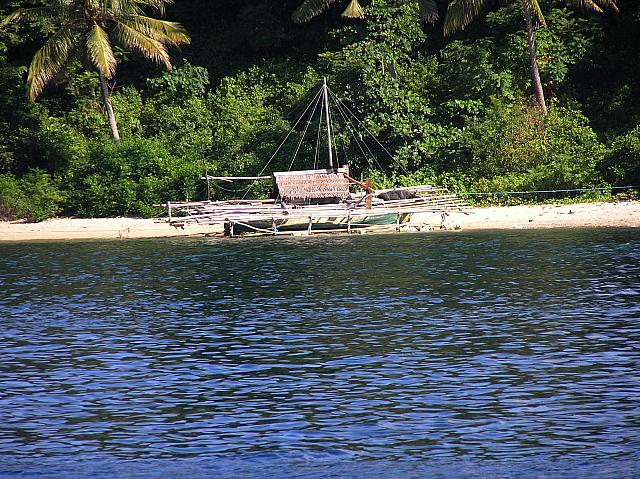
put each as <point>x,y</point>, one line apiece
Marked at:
<point>584,215</point>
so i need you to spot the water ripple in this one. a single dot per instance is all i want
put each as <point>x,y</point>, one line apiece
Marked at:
<point>484,347</point>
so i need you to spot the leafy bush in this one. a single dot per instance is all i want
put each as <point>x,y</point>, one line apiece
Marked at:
<point>187,127</point>
<point>515,149</point>
<point>33,197</point>
<point>54,145</point>
<point>129,178</point>
<point>622,163</point>
<point>13,204</point>
<point>470,72</point>
<point>180,84</point>
<point>127,104</point>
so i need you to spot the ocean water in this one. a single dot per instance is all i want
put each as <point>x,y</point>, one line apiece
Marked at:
<point>447,355</point>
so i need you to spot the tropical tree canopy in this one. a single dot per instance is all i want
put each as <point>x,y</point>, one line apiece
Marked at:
<point>462,12</point>
<point>88,28</point>
<point>456,113</point>
<point>312,8</point>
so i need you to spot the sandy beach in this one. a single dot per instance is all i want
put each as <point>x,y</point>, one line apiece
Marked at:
<point>585,215</point>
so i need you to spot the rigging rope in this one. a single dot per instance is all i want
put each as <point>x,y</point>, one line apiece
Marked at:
<point>283,142</point>
<point>304,133</point>
<point>355,137</point>
<point>315,160</point>
<point>337,100</point>
<point>335,147</point>
<point>533,192</point>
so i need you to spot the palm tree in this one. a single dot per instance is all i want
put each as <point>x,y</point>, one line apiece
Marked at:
<point>86,28</point>
<point>311,8</point>
<point>461,12</point>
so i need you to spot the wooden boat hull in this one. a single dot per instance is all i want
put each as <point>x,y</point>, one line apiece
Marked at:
<point>320,224</point>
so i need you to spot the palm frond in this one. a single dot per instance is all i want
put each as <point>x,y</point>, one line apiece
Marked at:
<point>117,8</point>
<point>157,5</point>
<point>608,4</point>
<point>309,9</point>
<point>48,61</point>
<point>461,12</point>
<point>122,8</point>
<point>588,5</point>
<point>88,7</point>
<point>353,10</point>
<point>99,51</point>
<point>535,6</point>
<point>161,30</point>
<point>148,46</point>
<point>31,14</point>
<point>595,5</point>
<point>428,10</point>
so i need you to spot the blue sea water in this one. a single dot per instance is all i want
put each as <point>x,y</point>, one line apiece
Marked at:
<point>489,354</point>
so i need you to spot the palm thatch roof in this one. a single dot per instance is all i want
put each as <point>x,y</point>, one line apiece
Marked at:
<point>312,186</point>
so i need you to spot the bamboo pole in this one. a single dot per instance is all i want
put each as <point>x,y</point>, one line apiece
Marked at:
<point>325,92</point>
<point>366,187</point>
<point>369,184</point>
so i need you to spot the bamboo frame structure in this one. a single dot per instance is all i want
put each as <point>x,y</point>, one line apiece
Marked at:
<point>310,200</point>
<point>255,216</point>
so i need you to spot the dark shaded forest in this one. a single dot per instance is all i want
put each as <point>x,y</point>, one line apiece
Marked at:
<point>456,111</point>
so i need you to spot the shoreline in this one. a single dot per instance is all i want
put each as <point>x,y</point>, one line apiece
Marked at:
<point>580,215</point>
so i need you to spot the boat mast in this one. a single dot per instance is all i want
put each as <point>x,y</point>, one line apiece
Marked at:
<point>325,92</point>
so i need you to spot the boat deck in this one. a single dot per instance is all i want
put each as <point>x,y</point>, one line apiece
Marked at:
<point>272,217</point>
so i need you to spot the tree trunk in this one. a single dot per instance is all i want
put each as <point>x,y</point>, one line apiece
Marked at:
<point>535,75</point>
<point>107,103</point>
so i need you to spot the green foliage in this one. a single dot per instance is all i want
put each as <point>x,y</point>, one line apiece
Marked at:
<point>17,117</point>
<point>472,76</point>
<point>515,149</point>
<point>622,162</point>
<point>187,127</point>
<point>250,115</point>
<point>54,146</point>
<point>176,112</point>
<point>451,112</point>
<point>13,203</point>
<point>606,81</point>
<point>127,103</point>
<point>86,114</point>
<point>180,84</point>
<point>129,178</point>
<point>564,43</point>
<point>34,197</point>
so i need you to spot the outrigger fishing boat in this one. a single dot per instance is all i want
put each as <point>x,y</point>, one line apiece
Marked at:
<point>329,199</point>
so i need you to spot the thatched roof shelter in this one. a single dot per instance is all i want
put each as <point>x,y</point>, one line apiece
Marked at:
<point>312,186</point>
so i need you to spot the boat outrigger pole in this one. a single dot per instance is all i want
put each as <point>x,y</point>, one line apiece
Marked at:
<point>325,92</point>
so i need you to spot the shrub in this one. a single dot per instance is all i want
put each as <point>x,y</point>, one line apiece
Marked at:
<point>33,197</point>
<point>514,148</point>
<point>129,178</point>
<point>621,165</point>
<point>12,200</point>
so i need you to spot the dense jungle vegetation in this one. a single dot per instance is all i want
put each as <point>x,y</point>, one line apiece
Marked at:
<point>456,110</point>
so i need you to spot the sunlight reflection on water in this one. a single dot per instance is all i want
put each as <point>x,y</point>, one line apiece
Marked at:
<point>499,353</point>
